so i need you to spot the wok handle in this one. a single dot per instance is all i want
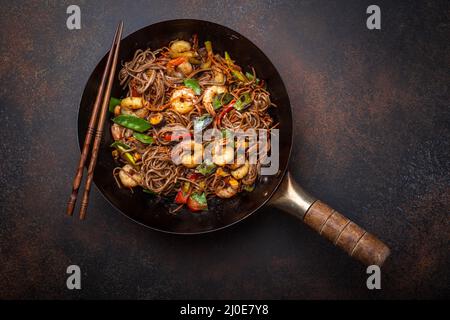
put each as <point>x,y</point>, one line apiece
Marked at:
<point>330,224</point>
<point>346,234</point>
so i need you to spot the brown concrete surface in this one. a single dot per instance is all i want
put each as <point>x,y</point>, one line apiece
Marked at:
<point>372,120</point>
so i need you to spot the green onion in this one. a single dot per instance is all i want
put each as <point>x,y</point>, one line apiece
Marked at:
<point>250,77</point>
<point>206,168</point>
<point>243,102</point>
<point>148,191</point>
<point>117,144</point>
<point>123,148</point>
<point>202,122</point>
<point>208,46</point>
<point>221,100</point>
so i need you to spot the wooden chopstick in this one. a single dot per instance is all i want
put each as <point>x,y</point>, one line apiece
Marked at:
<point>103,100</point>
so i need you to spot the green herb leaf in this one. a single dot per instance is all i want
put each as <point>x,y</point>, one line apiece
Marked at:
<point>132,122</point>
<point>206,168</point>
<point>202,122</point>
<point>250,77</point>
<point>193,84</point>
<point>113,102</point>
<point>243,102</point>
<point>143,138</point>
<point>148,191</point>
<point>221,100</point>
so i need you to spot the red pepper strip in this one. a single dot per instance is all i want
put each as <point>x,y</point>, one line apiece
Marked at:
<point>168,137</point>
<point>186,189</point>
<point>134,92</point>
<point>176,62</point>
<point>193,176</point>
<point>184,193</point>
<point>225,110</point>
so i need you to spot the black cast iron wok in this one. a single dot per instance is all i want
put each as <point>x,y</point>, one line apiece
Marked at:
<point>277,190</point>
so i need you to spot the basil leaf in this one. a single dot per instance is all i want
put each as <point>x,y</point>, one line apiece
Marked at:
<point>251,77</point>
<point>243,102</point>
<point>221,100</point>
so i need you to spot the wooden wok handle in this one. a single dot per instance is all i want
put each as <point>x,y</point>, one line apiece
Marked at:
<point>347,235</point>
<point>329,223</point>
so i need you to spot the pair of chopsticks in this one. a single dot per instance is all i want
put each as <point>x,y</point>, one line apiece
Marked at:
<point>95,128</point>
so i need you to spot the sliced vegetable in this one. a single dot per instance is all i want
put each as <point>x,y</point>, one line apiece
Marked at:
<point>123,149</point>
<point>194,61</point>
<point>222,173</point>
<point>221,99</point>
<point>183,194</point>
<point>202,122</point>
<point>186,54</point>
<point>132,122</point>
<point>225,110</point>
<point>134,92</point>
<point>143,138</point>
<point>197,202</point>
<point>193,84</point>
<point>250,77</point>
<point>227,134</point>
<point>239,75</point>
<point>243,102</point>
<point>176,62</point>
<point>113,102</point>
<point>206,168</point>
<point>228,60</point>
<point>249,188</point>
<point>156,118</point>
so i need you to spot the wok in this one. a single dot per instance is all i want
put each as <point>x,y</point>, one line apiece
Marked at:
<point>279,190</point>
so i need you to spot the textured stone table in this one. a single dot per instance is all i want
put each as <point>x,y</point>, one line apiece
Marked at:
<point>372,122</point>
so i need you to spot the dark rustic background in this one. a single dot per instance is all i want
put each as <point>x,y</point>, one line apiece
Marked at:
<point>371,112</point>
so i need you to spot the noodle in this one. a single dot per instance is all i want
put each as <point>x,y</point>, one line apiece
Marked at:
<point>159,78</point>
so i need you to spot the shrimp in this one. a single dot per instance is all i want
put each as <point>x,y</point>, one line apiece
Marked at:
<point>180,46</point>
<point>191,154</point>
<point>222,155</point>
<point>182,100</point>
<point>241,172</point>
<point>129,177</point>
<point>209,95</point>
<point>230,189</point>
<point>219,77</point>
